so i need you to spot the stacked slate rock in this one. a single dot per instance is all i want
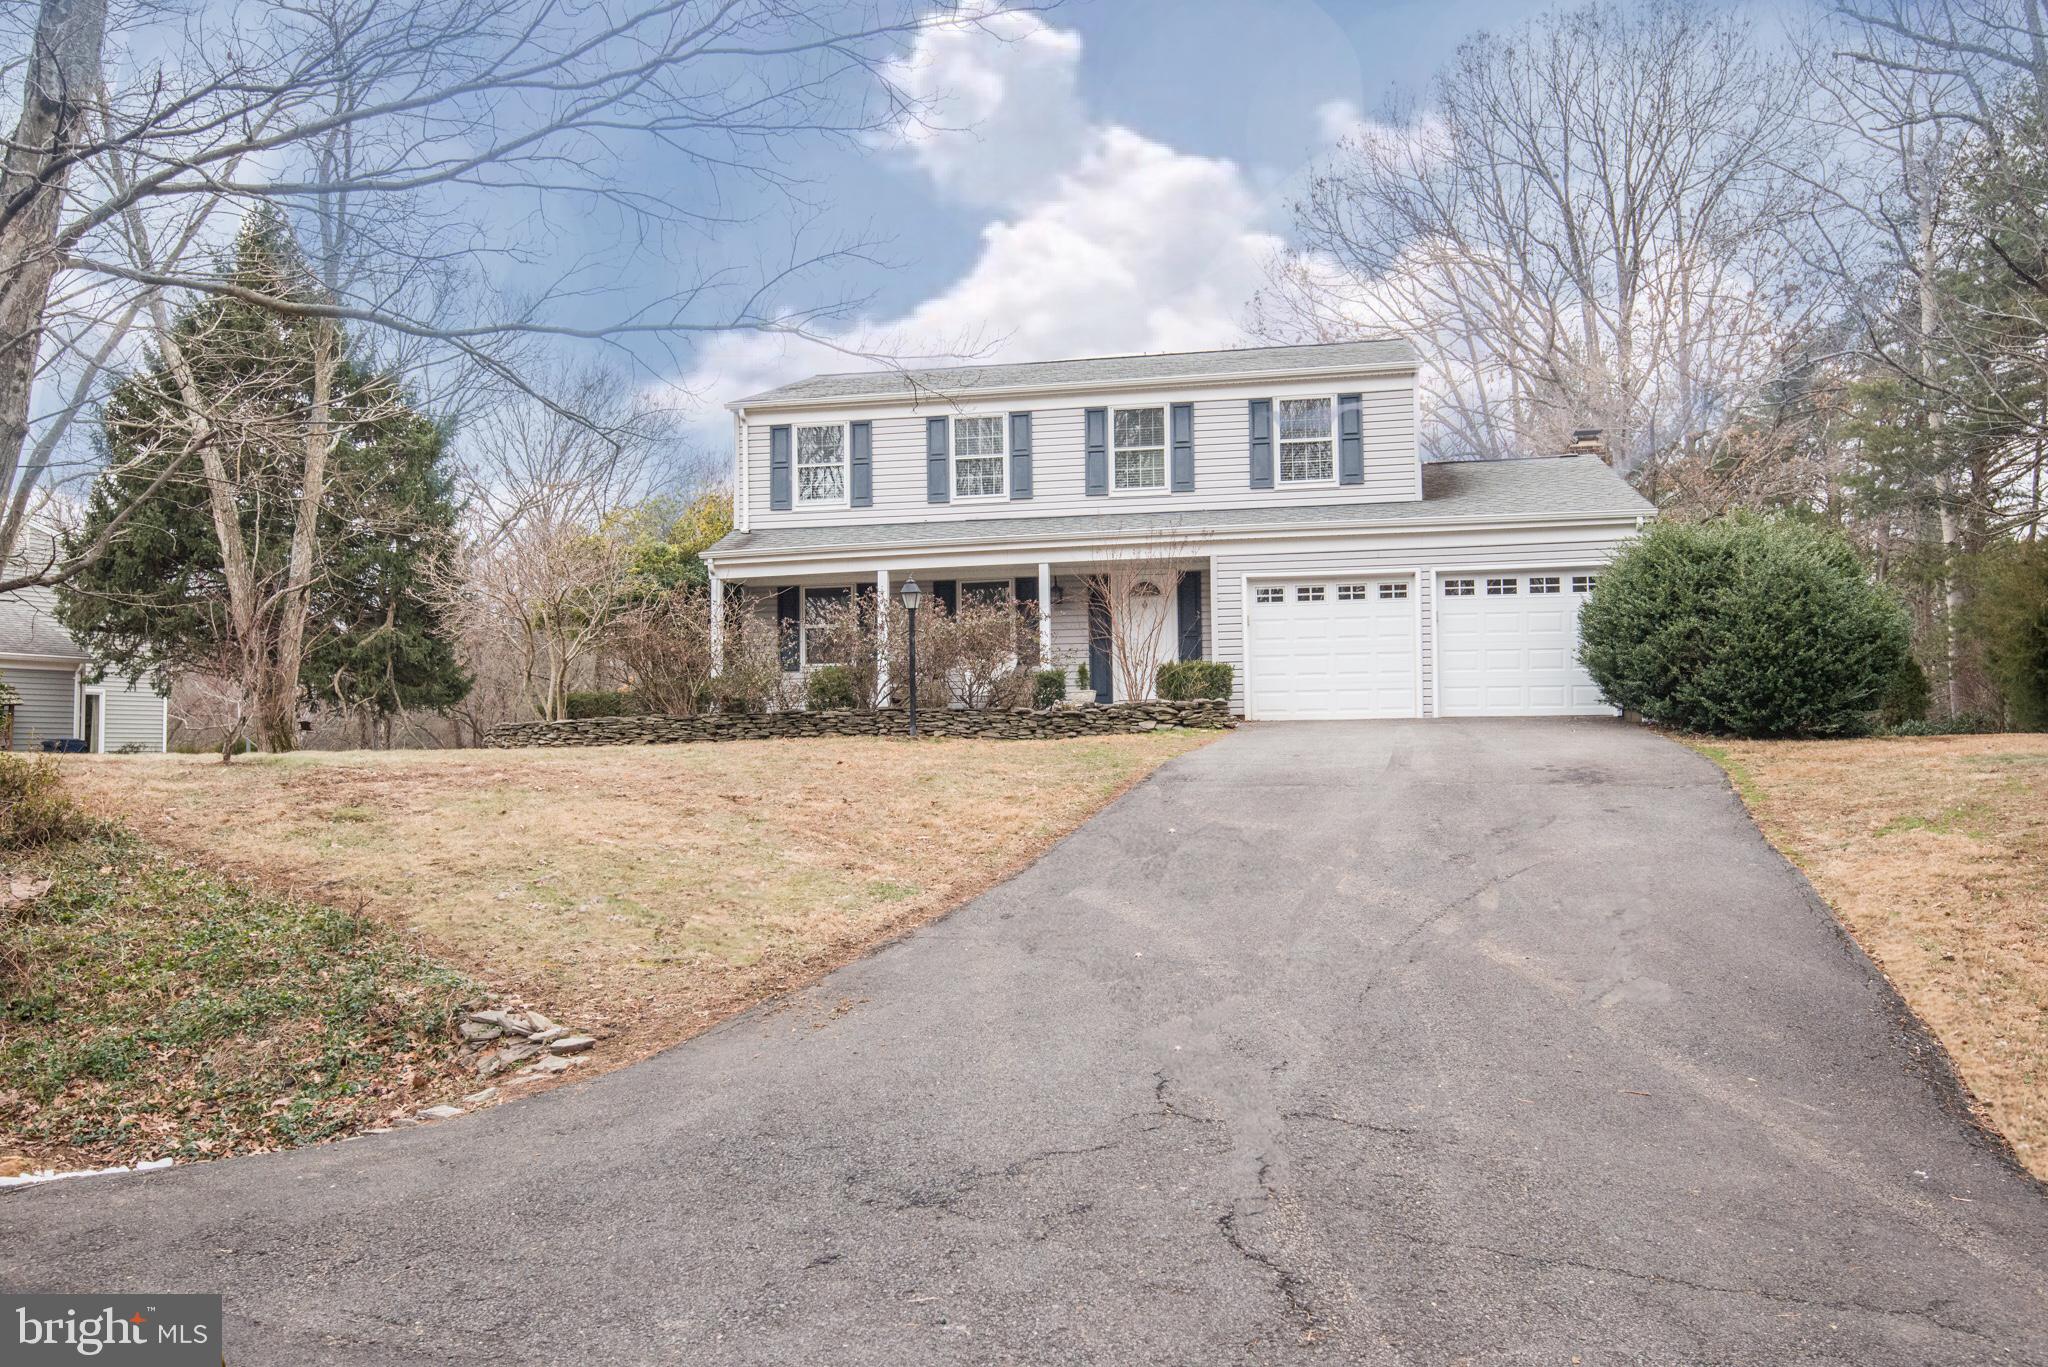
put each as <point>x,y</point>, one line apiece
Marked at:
<point>1018,723</point>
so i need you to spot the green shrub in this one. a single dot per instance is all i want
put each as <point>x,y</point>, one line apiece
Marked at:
<point>1048,686</point>
<point>1081,675</point>
<point>1745,626</point>
<point>604,702</point>
<point>1906,697</point>
<point>2009,619</point>
<point>830,686</point>
<point>1189,680</point>
<point>34,808</point>
<point>1962,724</point>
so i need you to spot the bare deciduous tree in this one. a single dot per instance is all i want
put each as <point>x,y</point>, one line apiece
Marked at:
<point>545,571</point>
<point>1584,224</point>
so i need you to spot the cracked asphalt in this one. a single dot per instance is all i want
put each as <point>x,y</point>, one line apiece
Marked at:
<point>1430,1042</point>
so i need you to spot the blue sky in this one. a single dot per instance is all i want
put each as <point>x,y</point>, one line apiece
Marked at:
<point>1120,172</point>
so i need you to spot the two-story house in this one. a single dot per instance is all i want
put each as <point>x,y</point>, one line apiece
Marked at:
<point>1315,551</point>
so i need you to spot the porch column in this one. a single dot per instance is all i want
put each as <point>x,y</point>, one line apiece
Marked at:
<point>717,625</point>
<point>1044,613</point>
<point>881,636</point>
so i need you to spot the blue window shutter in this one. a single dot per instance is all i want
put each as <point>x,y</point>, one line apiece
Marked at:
<point>1096,425</point>
<point>1350,441</point>
<point>1020,455</point>
<point>946,593</point>
<point>1183,439</point>
<point>1262,443</point>
<point>1098,647</point>
<point>1190,593</point>
<point>788,602</point>
<point>778,468</point>
<point>1027,590</point>
<point>861,480</point>
<point>938,473</point>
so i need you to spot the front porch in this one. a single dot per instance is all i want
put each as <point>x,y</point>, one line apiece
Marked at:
<point>1117,619</point>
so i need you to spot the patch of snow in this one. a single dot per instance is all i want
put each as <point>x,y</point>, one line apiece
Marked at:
<point>52,1175</point>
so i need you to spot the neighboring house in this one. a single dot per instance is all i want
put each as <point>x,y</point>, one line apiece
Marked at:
<point>55,696</point>
<point>1316,552</point>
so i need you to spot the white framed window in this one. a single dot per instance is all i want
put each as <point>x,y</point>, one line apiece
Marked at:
<point>1503,588</point>
<point>1583,583</point>
<point>821,464</point>
<point>1545,583</point>
<point>820,609</point>
<point>1350,593</point>
<point>978,456</point>
<point>1309,593</point>
<point>1137,449</point>
<point>1396,589</point>
<point>1458,588</point>
<point>1270,595</point>
<point>1308,447</point>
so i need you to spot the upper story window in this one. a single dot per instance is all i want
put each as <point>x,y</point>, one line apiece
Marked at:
<point>978,456</point>
<point>821,464</point>
<point>1308,452</point>
<point>1138,448</point>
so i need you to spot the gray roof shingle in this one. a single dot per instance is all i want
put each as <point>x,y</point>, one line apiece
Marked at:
<point>28,626</point>
<point>1464,491</point>
<point>1379,354</point>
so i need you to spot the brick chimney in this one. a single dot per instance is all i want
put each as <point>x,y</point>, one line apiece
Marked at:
<point>1587,441</point>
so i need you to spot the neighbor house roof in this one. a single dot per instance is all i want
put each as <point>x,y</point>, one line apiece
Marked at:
<point>1388,353</point>
<point>1452,491</point>
<point>29,627</point>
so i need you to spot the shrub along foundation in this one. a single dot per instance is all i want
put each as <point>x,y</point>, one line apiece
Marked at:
<point>1020,723</point>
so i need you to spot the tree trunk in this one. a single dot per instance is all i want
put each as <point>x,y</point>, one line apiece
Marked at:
<point>295,600</point>
<point>63,73</point>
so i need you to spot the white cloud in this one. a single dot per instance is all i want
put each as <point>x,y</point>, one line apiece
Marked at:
<point>1107,241</point>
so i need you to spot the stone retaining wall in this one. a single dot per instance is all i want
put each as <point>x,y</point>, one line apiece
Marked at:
<point>1017,724</point>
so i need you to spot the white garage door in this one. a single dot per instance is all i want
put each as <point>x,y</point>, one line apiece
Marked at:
<point>1332,648</point>
<point>1507,645</point>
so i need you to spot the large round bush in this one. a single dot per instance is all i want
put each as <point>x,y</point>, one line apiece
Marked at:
<point>1748,626</point>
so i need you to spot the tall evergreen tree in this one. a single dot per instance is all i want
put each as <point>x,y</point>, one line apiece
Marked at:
<point>287,557</point>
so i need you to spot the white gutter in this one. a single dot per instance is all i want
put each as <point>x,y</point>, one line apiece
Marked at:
<point>1251,532</point>
<point>1126,384</point>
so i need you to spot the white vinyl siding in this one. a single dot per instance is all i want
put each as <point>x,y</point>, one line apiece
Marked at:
<point>49,704</point>
<point>1059,457</point>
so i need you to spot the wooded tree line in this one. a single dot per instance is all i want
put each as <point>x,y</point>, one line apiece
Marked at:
<point>1793,269</point>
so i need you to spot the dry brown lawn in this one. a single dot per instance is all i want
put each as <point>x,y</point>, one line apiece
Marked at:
<point>1934,854</point>
<point>643,893</point>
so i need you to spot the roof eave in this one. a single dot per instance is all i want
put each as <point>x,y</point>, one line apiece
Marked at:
<point>1258,532</point>
<point>765,401</point>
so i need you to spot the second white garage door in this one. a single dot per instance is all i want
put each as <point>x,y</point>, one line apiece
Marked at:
<point>1507,645</point>
<point>1332,648</point>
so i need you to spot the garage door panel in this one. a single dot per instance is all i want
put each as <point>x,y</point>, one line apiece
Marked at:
<point>1349,653</point>
<point>1510,647</point>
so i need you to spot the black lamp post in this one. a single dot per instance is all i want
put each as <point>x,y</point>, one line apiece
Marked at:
<point>912,596</point>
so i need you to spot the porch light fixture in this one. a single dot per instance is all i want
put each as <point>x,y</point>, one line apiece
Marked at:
<point>912,596</point>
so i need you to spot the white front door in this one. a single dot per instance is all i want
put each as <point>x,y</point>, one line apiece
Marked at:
<point>1325,649</point>
<point>1148,633</point>
<point>1508,645</point>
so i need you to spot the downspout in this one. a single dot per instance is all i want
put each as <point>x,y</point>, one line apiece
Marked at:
<point>742,517</point>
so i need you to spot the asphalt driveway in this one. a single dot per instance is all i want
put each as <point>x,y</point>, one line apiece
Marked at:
<point>1392,1042</point>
